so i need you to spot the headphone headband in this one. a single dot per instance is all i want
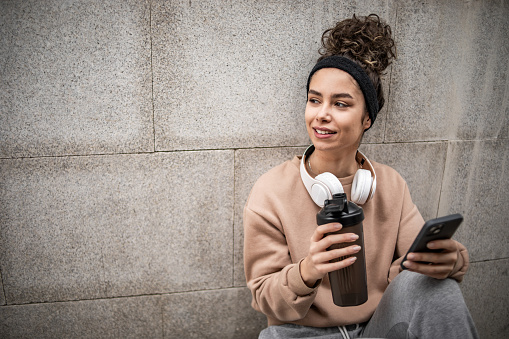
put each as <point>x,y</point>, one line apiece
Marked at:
<point>361,159</point>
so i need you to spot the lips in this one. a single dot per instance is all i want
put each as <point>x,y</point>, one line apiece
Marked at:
<point>320,131</point>
<point>324,132</point>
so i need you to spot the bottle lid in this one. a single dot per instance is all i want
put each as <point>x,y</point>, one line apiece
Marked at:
<point>351,215</point>
<point>343,211</point>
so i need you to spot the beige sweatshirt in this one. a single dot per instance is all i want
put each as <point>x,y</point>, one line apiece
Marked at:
<point>279,220</point>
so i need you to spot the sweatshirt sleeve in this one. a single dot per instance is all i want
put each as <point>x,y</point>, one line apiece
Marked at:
<point>410,225</point>
<point>274,280</point>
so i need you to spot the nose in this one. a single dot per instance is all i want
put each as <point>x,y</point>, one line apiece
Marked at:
<point>324,113</point>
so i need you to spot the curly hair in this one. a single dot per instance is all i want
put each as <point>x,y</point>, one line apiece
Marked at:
<point>367,41</point>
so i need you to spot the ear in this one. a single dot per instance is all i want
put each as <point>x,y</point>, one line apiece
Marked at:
<point>367,122</point>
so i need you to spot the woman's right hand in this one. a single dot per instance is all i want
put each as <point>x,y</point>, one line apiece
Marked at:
<point>318,261</point>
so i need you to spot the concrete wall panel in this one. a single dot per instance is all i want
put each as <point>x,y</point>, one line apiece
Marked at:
<point>234,75</point>
<point>476,185</point>
<point>136,317</point>
<point>75,78</point>
<point>484,289</point>
<point>222,314</point>
<point>90,227</point>
<point>450,80</point>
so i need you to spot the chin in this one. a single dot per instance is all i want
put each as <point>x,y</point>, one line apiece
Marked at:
<point>322,146</point>
<point>334,146</point>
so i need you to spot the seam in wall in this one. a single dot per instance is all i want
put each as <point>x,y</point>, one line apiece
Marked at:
<point>3,287</point>
<point>443,177</point>
<point>390,82</point>
<point>233,220</point>
<point>152,77</point>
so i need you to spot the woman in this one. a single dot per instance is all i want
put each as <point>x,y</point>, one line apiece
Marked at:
<point>285,252</point>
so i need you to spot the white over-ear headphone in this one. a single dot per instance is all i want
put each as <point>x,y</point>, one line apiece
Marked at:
<point>326,184</point>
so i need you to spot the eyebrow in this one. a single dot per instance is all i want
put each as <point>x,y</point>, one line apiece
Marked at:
<point>334,96</point>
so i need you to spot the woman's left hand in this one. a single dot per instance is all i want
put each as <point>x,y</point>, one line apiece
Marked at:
<point>436,265</point>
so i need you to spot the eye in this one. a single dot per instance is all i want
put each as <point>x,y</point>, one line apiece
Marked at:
<point>313,101</point>
<point>341,104</point>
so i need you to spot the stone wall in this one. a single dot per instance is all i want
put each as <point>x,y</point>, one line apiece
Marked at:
<point>132,131</point>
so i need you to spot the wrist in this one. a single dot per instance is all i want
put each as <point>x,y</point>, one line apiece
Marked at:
<point>307,278</point>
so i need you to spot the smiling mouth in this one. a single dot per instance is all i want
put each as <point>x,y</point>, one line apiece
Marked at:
<point>324,132</point>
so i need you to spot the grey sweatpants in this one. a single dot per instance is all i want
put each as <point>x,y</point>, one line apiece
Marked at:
<point>413,306</point>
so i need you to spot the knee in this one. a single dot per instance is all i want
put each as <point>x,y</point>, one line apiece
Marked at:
<point>422,288</point>
<point>414,280</point>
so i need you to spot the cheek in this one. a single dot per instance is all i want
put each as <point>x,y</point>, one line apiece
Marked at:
<point>347,122</point>
<point>350,126</point>
<point>308,116</point>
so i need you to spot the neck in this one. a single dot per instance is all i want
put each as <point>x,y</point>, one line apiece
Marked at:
<point>341,165</point>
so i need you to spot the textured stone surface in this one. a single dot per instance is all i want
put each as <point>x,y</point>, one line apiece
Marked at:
<point>450,80</point>
<point>234,75</point>
<point>222,314</point>
<point>485,290</point>
<point>75,77</point>
<point>420,164</point>
<point>476,185</point>
<point>136,317</point>
<point>249,166</point>
<point>89,227</point>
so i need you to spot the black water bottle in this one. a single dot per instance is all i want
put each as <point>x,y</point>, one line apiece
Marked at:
<point>349,284</point>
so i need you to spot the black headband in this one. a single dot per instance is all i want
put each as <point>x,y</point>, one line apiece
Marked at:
<point>356,71</point>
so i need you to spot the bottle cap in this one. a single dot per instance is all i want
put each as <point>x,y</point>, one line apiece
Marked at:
<point>339,209</point>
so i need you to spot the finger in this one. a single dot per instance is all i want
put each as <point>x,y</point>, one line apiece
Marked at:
<point>433,257</point>
<point>322,230</point>
<point>437,271</point>
<point>334,266</point>
<point>335,241</point>
<point>333,255</point>
<point>436,265</point>
<point>444,244</point>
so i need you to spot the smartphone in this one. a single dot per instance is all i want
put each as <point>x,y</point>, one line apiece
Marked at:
<point>435,229</point>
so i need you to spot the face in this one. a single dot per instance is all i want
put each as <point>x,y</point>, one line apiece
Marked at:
<point>335,111</point>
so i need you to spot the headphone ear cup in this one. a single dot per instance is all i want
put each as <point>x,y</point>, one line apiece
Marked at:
<point>361,186</point>
<point>330,180</point>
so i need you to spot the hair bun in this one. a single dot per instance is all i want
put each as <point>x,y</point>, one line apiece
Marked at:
<point>365,39</point>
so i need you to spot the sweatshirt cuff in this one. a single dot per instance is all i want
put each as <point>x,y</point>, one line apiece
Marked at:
<point>297,284</point>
